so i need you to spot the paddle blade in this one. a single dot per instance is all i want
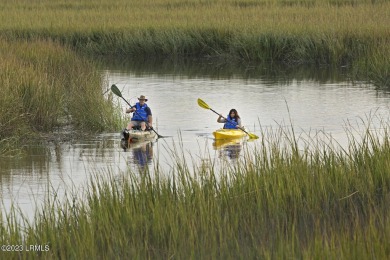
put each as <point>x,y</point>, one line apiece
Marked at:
<point>116,90</point>
<point>252,136</point>
<point>203,104</point>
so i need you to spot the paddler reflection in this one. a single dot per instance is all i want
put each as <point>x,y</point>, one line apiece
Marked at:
<point>229,148</point>
<point>141,153</point>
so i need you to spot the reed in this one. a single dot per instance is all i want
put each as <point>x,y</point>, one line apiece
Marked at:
<point>44,86</point>
<point>341,32</point>
<point>284,200</point>
<point>376,69</point>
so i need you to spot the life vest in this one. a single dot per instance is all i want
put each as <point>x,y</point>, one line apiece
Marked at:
<point>140,113</point>
<point>231,123</point>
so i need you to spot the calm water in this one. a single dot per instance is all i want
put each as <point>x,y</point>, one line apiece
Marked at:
<point>311,101</point>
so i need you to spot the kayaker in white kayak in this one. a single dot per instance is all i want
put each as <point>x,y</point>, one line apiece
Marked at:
<point>142,113</point>
<point>232,121</point>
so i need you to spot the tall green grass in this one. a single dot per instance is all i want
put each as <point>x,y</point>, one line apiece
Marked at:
<point>377,68</point>
<point>45,86</point>
<point>283,200</point>
<point>330,32</point>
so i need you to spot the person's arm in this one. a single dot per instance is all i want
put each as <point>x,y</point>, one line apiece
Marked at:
<point>221,119</point>
<point>130,110</point>
<point>239,123</point>
<point>149,116</point>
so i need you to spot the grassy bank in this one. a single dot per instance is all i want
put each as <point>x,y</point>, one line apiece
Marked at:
<point>315,202</point>
<point>45,86</point>
<point>338,33</point>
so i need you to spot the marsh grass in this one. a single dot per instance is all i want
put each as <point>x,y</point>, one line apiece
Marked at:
<point>280,201</point>
<point>337,33</point>
<point>45,86</point>
<point>377,68</point>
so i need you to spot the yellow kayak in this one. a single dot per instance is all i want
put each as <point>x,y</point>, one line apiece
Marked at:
<point>222,143</point>
<point>228,134</point>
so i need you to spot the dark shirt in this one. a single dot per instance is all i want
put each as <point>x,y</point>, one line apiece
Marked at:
<point>148,111</point>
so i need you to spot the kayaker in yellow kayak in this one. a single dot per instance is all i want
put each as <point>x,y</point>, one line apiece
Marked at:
<point>232,121</point>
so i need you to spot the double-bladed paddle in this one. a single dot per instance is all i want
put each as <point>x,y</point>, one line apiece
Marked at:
<point>204,105</point>
<point>117,92</point>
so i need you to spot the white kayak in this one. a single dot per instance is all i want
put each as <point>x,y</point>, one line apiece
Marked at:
<point>138,135</point>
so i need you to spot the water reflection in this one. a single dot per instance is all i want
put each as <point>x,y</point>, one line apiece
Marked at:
<point>228,148</point>
<point>141,153</point>
<point>35,159</point>
<point>271,74</point>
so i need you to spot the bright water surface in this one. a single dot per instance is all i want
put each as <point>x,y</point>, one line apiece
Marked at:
<point>312,101</point>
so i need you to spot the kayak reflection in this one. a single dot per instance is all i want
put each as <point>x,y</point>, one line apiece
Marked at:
<point>230,148</point>
<point>141,153</point>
